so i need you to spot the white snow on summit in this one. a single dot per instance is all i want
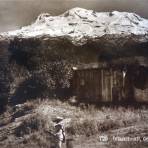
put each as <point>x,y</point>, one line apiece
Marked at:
<point>78,23</point>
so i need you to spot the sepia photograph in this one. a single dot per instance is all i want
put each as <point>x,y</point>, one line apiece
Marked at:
<point>73,73</point>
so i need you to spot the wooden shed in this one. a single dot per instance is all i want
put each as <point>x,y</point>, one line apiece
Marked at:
<point>98,84</point>
<point>103,83</point>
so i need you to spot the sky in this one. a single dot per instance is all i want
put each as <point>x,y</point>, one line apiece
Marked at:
<point>17,13</point>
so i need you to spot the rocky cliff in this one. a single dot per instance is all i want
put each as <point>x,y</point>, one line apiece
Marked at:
<point>36,60</point>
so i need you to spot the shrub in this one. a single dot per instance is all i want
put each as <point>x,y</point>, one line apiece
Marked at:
<point>32,124</point>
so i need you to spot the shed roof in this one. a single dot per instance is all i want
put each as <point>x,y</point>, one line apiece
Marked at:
<point>136,60</point>
<point>95,65</point>
<point>118,63</point>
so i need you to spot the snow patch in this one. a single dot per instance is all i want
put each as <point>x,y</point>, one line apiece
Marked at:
<point>78,24</point>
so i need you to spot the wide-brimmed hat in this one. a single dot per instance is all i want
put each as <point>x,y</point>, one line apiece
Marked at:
<point>57,119</point>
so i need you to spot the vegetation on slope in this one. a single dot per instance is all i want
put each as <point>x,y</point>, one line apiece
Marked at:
<point>29,123</point>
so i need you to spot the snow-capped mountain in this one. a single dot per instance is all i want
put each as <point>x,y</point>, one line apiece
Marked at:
<point>35,54</point>
<point>79,25</point>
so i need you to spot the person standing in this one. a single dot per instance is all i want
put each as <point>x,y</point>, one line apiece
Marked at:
<point>59,135</point>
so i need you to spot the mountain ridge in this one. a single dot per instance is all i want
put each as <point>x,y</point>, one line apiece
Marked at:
<point>80,25</point>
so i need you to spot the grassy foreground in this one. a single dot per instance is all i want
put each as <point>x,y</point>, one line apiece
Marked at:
<point>26,125</point>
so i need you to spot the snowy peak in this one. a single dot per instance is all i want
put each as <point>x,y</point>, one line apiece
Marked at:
<point>79,24</point>
<point>42,18</point>
<point>78,13</point>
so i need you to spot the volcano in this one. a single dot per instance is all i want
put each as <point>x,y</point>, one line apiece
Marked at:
<point>34,54</point>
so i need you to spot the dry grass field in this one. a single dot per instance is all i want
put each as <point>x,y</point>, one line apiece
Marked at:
<point>27,125</point>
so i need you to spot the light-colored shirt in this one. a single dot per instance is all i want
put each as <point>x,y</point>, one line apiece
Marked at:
<point>60,135</point>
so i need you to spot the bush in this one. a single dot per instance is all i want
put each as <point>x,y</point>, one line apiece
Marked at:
<point>33,124</point>
<point>48,73</point>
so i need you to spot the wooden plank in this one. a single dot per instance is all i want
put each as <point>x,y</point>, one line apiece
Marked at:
<point>102,84</point>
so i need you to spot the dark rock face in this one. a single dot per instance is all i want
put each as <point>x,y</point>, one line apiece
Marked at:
<point>41,65</point>
<point>5,78</point>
